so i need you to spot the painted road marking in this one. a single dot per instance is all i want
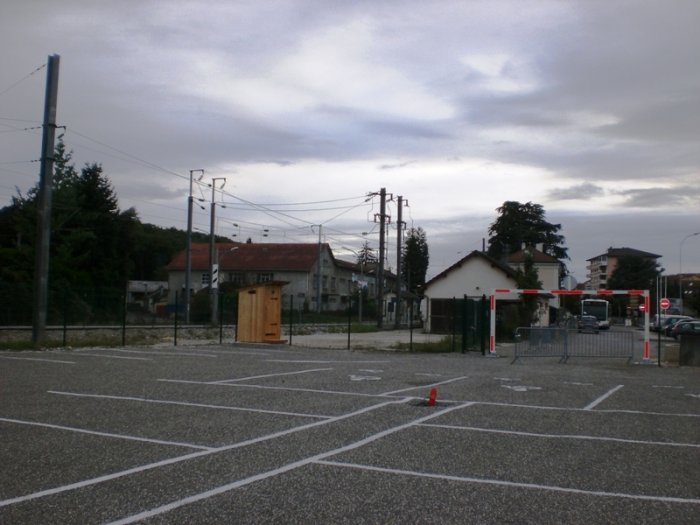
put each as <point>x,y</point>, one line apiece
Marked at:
<point>563,436</point>
<point>424,386</point>
<point>38,359</point>
<point>511,484</point>
<point>104,434</point>
<point>603,398</point>
<point>186,404</point>
<point>354,377</point>
<point>193,455</point>
<point>521,388</point>
<point>281,470</point>
<point>264,376</point>
<point>280,388</point>
<point>115,357</point>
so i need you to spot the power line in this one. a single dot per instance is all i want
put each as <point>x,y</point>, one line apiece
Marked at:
<point>42,66</point>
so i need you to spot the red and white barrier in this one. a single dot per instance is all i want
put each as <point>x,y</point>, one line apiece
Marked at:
<point>527,291</point>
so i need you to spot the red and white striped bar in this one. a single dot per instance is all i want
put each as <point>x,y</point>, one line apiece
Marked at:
<point>527,291</point>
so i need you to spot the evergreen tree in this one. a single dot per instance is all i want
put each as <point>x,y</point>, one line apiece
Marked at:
<point>527,278</point>
<point>366,257</point>
<point>519,224</point>
<point>633,272</point>
<point>416,257</point>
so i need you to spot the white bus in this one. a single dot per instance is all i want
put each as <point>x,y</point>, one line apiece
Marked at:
<point>598,308</point>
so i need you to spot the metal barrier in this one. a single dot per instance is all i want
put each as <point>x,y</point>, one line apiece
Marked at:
<point>565,343</point>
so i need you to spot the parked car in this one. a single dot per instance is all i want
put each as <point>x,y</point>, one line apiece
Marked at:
<point>664,321</point>
<point>667,330</point>
<point>686,327</point>
<point>588,323</point>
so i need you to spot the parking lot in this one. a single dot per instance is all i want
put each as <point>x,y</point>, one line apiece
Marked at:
<point>241,433</point>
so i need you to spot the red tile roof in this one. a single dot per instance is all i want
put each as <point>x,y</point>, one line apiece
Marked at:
<point>236,256</point>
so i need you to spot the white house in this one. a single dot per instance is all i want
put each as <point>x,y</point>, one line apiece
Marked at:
<point>477,274</point>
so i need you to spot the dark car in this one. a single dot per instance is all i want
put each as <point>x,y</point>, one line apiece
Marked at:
<point>687,327</point>
<point>588,323</point>
<point>670,321</point>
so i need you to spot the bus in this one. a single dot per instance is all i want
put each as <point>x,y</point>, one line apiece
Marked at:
<point>599,309</point>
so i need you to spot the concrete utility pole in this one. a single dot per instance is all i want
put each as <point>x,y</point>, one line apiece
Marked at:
<point>319,269</point>
<point>188,253</point>
<point>399,226</point>
<point>213,263</point>
<point>380,270</point>
<point>43,223</point>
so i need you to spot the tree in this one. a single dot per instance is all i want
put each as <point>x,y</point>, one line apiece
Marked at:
<point>366,257</point>
<point>634,272</point>
<point>415,257</point>
<point>528,278</point>
<point>519,224</point>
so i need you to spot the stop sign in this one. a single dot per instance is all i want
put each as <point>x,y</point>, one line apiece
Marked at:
<point>664,303</point>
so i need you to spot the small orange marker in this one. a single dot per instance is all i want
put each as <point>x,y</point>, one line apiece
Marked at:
<point>433,397</point>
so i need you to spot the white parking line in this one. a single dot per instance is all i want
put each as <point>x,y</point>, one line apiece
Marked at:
<point>104,434</point>
<point>264,376</point>
<point>38,359</point>
<point>602,398</point>
<point>424,386</point>
<point>166,354</point>
<point>116,357</point>
<point>193,455</point>
<point>280,388</point>
<point>563,436</point>
<point>281,470</point>
<point>186,404</point>
<point>510,484</point>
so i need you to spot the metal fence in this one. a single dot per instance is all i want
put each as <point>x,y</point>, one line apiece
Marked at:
<point>565,343</point>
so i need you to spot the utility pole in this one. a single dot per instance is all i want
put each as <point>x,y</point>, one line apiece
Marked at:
<point>43,223</point>
<point>399,226</point>
<point>188,252</point>
<point>319,269</point>
<point>380,270</point>
<point>213,263</point>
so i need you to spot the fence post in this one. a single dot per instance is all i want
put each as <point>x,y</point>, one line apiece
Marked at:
<point>177,312</point>
<point>349,321</point>
<point>464,323</point>
<point>291,317</point>
<point>65,317</point>
<point>220,300</point>
<point>482,323</point>
<point>123,320</point>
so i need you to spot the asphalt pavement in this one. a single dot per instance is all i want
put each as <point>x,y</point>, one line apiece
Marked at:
<point>241,433</point>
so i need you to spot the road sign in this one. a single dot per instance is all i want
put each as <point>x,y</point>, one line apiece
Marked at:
<point>664,303</point>
<point>642,308</point>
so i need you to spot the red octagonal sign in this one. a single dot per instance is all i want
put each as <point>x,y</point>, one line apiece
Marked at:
<point>664,303</point>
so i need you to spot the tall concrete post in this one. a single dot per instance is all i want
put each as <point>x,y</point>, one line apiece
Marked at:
<point>43,223</point>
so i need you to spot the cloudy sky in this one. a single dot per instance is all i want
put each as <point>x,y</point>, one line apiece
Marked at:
<point>589,108</point>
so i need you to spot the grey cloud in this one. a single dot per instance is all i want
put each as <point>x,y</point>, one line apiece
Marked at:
<point>583,191</point>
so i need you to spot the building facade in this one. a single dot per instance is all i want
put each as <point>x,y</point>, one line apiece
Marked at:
<point>601,267</point>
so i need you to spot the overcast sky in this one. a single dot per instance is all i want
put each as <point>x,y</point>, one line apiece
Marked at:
<point>589,108</point>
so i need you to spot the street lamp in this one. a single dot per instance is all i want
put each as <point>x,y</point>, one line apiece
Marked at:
<point>680,267</point>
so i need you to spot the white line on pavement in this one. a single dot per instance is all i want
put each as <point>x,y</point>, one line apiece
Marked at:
<point>38,359</point>
<point>563,436</point>
<point>104,434</point>
<point>186,404</point>
<point>194,455</point>
<point>424,386</point>
<point>224,381</point>
<point>603,398</point>
<point>512,484</point>
<point>281,470</point>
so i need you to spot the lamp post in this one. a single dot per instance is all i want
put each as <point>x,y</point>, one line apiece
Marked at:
<point>188,256</point>
<point>680,267</point>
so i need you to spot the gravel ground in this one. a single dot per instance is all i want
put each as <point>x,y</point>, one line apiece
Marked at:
<point>314,433</point>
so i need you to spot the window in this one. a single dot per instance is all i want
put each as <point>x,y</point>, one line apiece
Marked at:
<point>205,279</point>
<point>265,277</point>
<point>235,278</point>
